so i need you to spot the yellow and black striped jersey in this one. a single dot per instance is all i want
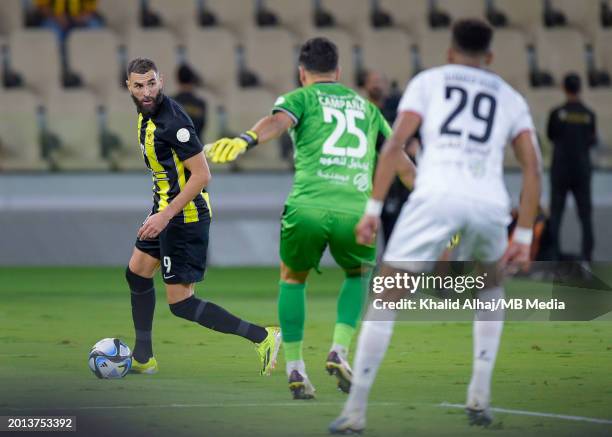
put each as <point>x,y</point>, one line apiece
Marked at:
<point>167,138</point>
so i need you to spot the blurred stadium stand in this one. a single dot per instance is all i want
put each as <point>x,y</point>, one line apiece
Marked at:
<point>99,69</point>
<point>510,50</point>
<point>212,52</point>
<point>561,50</point>
<point>245,51</point>
<point>396,59</point>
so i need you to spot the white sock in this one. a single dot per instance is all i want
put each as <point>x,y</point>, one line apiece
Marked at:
<point>342,351</point>
<point>371,347</point>
<point>296,365</point>
<point>487,332</point>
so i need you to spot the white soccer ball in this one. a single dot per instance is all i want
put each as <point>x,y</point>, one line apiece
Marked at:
<point>110,358</point>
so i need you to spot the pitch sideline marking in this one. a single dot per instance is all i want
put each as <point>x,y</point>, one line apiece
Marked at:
<point>536,414</point>
<point>217,405</point>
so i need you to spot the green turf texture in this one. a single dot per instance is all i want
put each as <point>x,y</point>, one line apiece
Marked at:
<point>50,317</point>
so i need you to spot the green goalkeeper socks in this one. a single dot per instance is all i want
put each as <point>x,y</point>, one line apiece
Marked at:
<point>292,310</point>
<point>343,334</point>
<point>293,351</point>
<point>291,314</point>
<point>350,303</point>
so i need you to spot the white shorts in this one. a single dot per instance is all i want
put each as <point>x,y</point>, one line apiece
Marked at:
<point>427,223</point>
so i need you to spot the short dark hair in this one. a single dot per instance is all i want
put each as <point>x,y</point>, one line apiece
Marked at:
<point>472,36</point>
<point>319,55</point>
<point>141,66</point>
<point>572,83</point>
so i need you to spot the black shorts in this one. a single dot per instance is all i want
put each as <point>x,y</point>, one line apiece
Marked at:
<point>182,249</point>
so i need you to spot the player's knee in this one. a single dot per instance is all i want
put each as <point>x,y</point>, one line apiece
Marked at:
<point>187,308</point>
<point>138,284</point>
<point>291,276</point>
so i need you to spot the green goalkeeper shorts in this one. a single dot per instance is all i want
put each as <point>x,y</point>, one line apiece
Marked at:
<point>306,232</point>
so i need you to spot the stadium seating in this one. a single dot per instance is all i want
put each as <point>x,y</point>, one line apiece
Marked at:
<point>345,46</point>
<point>236,15</point>
<point>396,58</point>
<point>458,9</point>
<point>561,51</point>
<point>11,16</point>
<point>212,131</point>
<point>603,50</point>
<point>270,52</point>
<point>296,17</point>
<point>510,58</point>
<point>121,122</point>
<point>352,16</point>
<point>410,16</point>
<point>180,16</point>
<point>583,14</point>
<point>72,117</point>
<point>35,56</point>
<point>244,109</point>
<point>211,51</point>
<point>160,46</point>
<point>121,16</point>
<point>99,69</point>
<point>523,14</point>
<point>271,55</point>
<point>433,48</point>
<point>19,132</point>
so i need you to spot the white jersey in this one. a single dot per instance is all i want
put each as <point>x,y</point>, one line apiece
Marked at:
<point>468,116</point>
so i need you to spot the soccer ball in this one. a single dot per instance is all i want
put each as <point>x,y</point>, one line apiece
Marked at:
<point>110,358</point>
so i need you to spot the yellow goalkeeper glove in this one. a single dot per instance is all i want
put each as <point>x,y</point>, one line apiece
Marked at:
<point>228,149</point>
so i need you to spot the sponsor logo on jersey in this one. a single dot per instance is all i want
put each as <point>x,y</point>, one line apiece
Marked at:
<point>361,182</point>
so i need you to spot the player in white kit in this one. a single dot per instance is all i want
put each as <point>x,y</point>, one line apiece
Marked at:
<point>466,115</point>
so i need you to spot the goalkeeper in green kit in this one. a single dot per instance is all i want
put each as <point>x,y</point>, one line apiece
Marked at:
<point>335,132</point>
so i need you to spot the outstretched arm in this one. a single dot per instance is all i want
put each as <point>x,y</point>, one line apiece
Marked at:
<point>272,126</point>
<point>266,129</point>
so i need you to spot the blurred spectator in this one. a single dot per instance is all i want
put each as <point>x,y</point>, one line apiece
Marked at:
<point>389,109</point>
<point>193,105</point>
<point>376,87</point>
<point>571,129</point>
<point>61,16</point>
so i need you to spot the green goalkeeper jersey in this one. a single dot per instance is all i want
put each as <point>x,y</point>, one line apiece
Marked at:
<point>335,132</point>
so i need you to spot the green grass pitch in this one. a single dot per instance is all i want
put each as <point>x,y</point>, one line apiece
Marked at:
<point>208,382</point>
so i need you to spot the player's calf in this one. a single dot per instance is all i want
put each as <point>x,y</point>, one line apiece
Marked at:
<point>214,317</point>
<point>143,307</point>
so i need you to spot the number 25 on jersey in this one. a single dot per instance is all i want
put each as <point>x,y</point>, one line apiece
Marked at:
<point>345,124</point>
